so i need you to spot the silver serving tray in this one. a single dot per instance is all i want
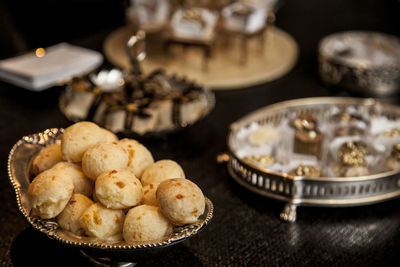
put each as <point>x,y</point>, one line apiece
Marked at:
<point>19,162</point>
<point>304,191</point>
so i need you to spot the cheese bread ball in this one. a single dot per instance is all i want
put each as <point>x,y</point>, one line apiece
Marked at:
<point>78,137</point>
<point>50,192</point>
<point>180,200</point>
<point>118,189</point>
<point>149,194</point>
<point>101,222</point>
<point>162,170</point>
<point>109,137</point>
<point>69,217</point>
<point>94,197</point>
<point>144,223</point>
<point>104,157</point>
<point>46,158</point>
<point>82,184</point>
<point>139,156</point>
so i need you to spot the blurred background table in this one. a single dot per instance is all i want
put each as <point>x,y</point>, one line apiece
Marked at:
<point>246,229</point>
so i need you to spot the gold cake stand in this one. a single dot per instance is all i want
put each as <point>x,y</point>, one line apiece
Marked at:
<point>266,61</point>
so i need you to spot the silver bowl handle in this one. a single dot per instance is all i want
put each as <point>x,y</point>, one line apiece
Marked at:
<point>136,51</point>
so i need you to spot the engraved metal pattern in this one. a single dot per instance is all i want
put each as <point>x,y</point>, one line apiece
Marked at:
<point>18,170</point>
<point>319,191</point>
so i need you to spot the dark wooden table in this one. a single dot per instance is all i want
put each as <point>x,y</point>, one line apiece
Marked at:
<point>246,229</point>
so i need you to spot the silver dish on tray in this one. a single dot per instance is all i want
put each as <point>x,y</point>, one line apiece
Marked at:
<point>19,162</point>
<point>300,190</point>
<point>366,62</point>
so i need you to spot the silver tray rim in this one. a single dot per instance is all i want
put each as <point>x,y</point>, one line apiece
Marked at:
<point>53,231</point>
<point>384,37</point>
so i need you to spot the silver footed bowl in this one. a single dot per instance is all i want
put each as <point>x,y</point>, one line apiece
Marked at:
<point>19,163</point>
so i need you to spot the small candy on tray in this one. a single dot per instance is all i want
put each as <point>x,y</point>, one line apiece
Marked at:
<point>349,131</point>
<point>308,142</point>
<point>352,159</point>
<point>392,162</point>
<point>264,161</point>
<point>348,124</point>
<point>307,139</point>
<point>353,147</point>
<point>262,135</point>
<point>346,117</point>
<point>306,122</point>
<point>392,133</point>
<point>306,171</point>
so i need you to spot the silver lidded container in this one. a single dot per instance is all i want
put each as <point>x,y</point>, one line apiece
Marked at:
<point>366,63</point>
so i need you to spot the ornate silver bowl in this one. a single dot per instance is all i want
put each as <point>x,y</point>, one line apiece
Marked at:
<point>367,63</point>
<point>19,162</point>
<point>305,191</point>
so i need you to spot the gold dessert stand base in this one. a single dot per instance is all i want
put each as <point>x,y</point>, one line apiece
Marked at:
<point>266,60</point>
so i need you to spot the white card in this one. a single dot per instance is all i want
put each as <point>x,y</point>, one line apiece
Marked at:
<point>59,63</point>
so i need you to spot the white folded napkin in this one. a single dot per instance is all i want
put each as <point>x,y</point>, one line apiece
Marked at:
<point>58,63</point>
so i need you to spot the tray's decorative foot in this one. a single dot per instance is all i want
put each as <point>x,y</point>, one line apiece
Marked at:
<point>289,213</point>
